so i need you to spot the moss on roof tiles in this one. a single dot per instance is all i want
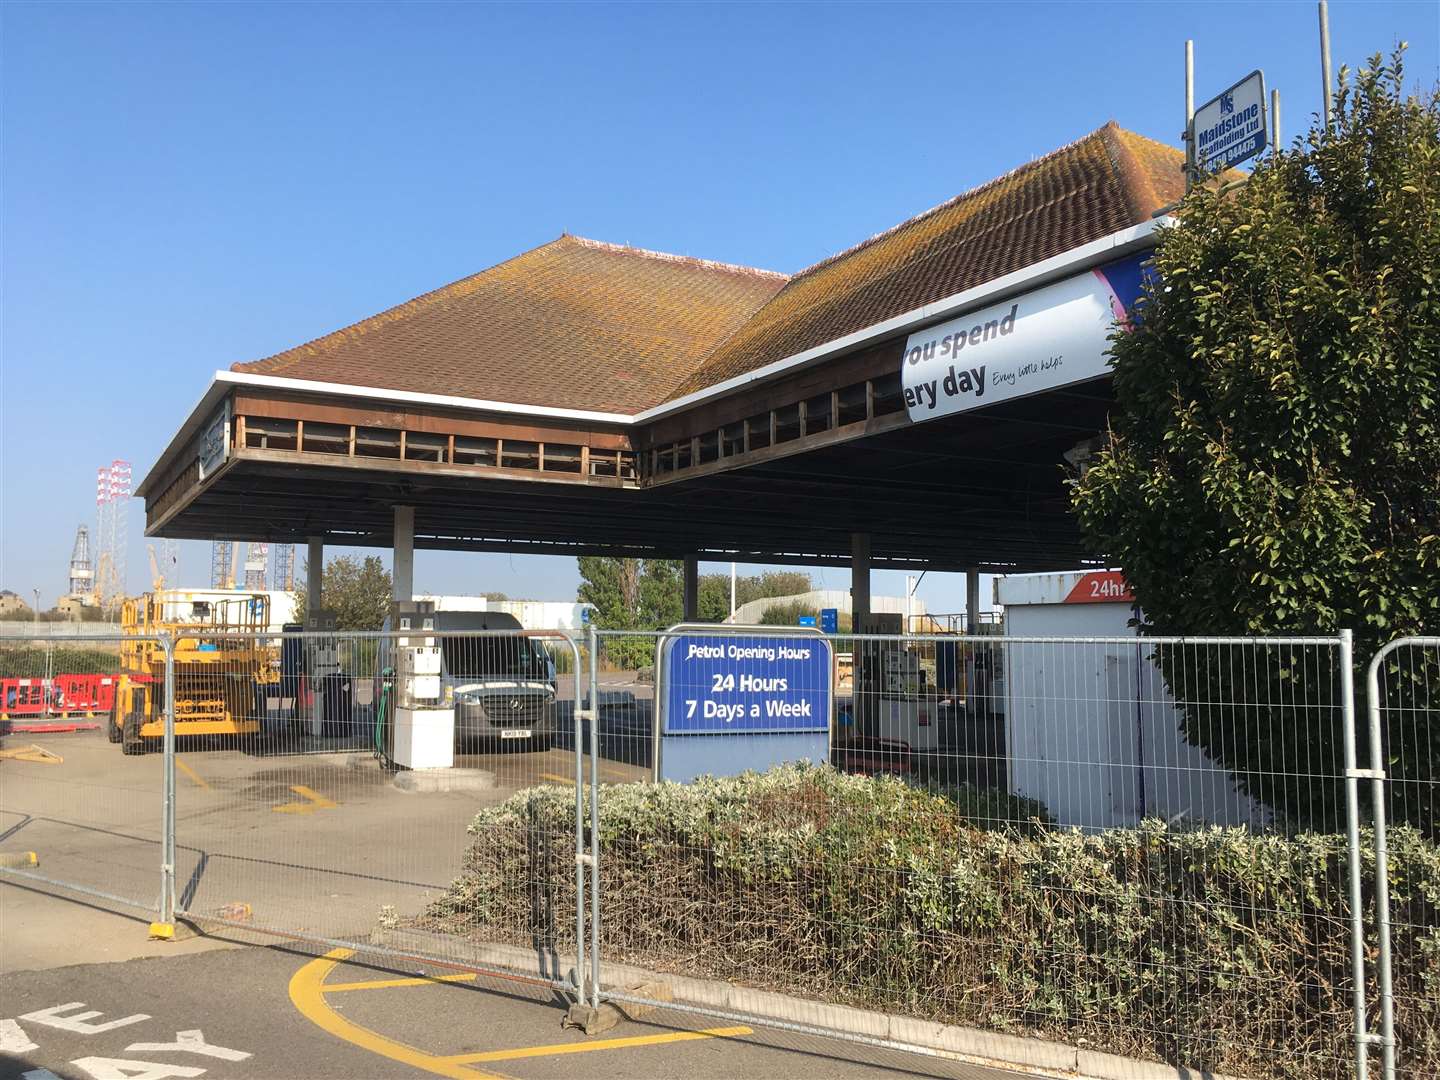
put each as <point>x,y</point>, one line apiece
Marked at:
<point>574,323</point>
<point>1107,181</point>
<point>581,324</point>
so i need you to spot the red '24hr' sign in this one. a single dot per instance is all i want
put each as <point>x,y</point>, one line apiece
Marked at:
<point>1101,587</point>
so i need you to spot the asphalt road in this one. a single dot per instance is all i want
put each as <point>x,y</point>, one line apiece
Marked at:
<point>290,835</point>
<point>285,1012</point>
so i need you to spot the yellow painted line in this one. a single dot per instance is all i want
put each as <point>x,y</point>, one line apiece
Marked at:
<point>383,984</point>
<point>307,994</point>
<point>316,802</point>
<point>600,1044</point>
<point>558,779</point>
<point>195,777</point>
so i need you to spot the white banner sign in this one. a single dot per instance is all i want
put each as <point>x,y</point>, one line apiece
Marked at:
<point>1048,338</point>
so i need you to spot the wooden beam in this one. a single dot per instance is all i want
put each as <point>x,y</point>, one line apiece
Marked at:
<point>428,422</point>
<point>829,437</point>
<point>397,465</point>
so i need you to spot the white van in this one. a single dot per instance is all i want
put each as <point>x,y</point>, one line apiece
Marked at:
<point>502,687</point>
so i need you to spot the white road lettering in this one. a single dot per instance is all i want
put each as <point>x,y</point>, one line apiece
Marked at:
<point>190,1042</point>
<point>13,1039</point>
<point>102,1068</point>
<point>78,1022</point>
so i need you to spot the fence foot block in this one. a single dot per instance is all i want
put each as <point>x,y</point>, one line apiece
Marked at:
<point>593,1021</point>
<point>162,931</point>
<point>19,859</point>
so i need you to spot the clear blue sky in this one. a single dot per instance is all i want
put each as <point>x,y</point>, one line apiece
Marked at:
<point>185,186</point>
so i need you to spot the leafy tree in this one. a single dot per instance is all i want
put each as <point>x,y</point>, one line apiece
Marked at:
<point>1274,463</point>
<point>649,594</point>
<point>631,594</point>
<point>772,583</point>
<point>714,597</point>
<point>358,591</point>
<point>662,594</point>
<point>612,587</point>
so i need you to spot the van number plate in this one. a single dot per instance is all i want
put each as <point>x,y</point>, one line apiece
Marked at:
<point>515,733</point>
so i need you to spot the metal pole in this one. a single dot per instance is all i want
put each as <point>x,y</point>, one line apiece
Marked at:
<point>1275,121</point>
<point>732,592</point>
<point>403,554</point>
<point>594,817</point>
<point>691,588</point>
<point>1352,830</point>
<point>167,879</point>
<point>580,713</point>
<point>1382,871</point>
<point>1325,61</point>
<point>47,688</point>
<point>1189,114</point>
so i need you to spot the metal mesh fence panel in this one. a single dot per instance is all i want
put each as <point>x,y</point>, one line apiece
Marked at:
<point>91,815</point>
<point>1403,694</point>
<point>1135,848</point>
<point>625,708</point>
<point>329,784</point>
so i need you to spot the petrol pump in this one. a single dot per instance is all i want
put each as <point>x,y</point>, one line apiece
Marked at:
<point>322,665</point>
<point>423,734</point>
<point>892,701</point>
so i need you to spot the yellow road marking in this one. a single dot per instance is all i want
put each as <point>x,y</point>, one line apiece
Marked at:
<point>600,1044</point>
<point>316,802</point>
<point>382,984</point>
<point>195,777</point>
<point>570,779</point>
<point>307,994</point>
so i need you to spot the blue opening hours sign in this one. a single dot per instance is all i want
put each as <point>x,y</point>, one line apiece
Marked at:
<point>730,684</point>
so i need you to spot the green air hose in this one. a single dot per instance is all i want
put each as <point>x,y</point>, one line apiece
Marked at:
<point>382,714</point>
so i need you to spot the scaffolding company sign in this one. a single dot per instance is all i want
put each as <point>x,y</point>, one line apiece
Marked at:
<point>1231,128</point>
<point>1040,340</point>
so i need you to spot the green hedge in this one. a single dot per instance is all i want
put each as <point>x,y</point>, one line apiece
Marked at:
<point>1209,948</point>
<point>35,661</point>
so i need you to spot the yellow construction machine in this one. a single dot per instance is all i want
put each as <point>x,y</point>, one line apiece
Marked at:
<point>224,664</point>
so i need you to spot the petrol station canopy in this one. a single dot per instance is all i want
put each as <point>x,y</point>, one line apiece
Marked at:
<point>590,398</point>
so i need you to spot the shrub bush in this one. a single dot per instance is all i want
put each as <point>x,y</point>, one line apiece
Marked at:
<point>1211,948</point>
<point>78,659</point>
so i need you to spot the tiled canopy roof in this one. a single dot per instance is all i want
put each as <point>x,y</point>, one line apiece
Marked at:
<point>584,325</point>
<point>1105,182</point>
<point>573,324</point>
